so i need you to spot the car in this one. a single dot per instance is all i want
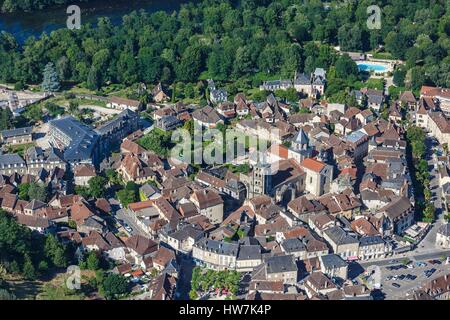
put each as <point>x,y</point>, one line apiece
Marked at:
<point>395,277</point>
<point>410,266</point>
<point>401,277</point>
<point>411,277</point>
<point>388,278</point>
<point>355,282</point>
<point>396,285</point>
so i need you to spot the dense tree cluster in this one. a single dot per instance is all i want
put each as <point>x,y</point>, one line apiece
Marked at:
<point>27,253</point>
<point>204,280</point>
<point>217,39</point>
<point>29,5</point>
<point>416,145</point>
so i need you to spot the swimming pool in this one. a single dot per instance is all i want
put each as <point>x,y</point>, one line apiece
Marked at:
<point>367,66</point>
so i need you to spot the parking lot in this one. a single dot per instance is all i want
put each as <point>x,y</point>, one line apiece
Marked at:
<point>399,279</point>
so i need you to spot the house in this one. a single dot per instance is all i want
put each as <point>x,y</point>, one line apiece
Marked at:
<point>162,258</point>
<point>438,288</point>
<point>294,247</point>
<point>217,255</point>
<point>207,117</point>
<point>407,98</point>
<point>342,243</point>
<point>226,109</point>
<point>12,163</point>
<point>33,206</point>
<point>108,244</point>
<point>375,99</point>
<point>249,257</point>
<point>443,236</point>
<point>395,115</point>
<point>209,203</point>
<point>41,225</point>
<point>440,95</point>
<point>48,159</point>
<point>123,103</point>
<point>168,123</point>
<point>184,238</point>
<point>281,268</point>
<point>159,95</point>
<point>321,222</point>
<point>302,84</point>
<point>373,247</point>
<point>301,207</point>
<point>163,287</point>
<point>318,82</point>
<point>216,95</point>
<point>275,85</point>
<point>399,215</point>
<point>132,168</point>
<point>333,266</point>
<point>83,173</point>
<point>17,136</point>
<point>318,284</point>
<point>140,247</point>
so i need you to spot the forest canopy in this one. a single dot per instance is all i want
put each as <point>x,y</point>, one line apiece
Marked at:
<point>257,40</point>
<point>30,5</point>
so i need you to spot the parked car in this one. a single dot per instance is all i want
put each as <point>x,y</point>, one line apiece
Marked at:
<point>396,285</point>
<point>401,277</point>
<point>411,277</point>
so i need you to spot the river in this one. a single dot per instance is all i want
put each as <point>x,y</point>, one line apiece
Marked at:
<point>25,24</point>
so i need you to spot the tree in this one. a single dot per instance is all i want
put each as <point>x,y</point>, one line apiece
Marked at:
<point>346,67</point>
<point>29,271</point>
<point>93,81</point>
<point>5,119</point>
<point>55,251</point>
<point>126,197</point>
<point>50,81</point>
<point>24,189</point>
<point>114,285</point>
<point>97,186</point>
<point>37,192</point>
<point>92,261</point>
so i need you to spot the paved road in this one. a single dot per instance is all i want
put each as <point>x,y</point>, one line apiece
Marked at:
<point>122,214</point>
<point>184,283</point>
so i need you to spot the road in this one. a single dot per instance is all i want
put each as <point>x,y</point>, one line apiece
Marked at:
<point>122,214</point>
<point>184,283</point>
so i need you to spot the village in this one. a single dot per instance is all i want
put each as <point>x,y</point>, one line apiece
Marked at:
<point>360,191</point>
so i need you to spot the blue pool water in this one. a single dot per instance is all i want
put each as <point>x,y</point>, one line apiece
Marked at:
<point>371,67</point>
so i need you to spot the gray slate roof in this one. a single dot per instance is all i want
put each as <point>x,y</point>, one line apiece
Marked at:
<point>83,139</point>
<point>16,132</point>
<point>277,264</point>
<point>331,261</point>
<point>11,159</point>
